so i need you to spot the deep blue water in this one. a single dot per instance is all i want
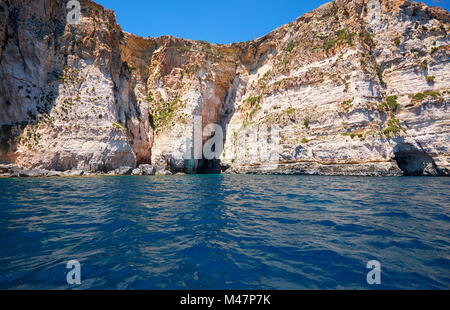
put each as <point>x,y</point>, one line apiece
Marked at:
<point>225,232</point>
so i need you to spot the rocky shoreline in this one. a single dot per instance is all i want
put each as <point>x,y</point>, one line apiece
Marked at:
<point>385,169</point>
<point>12,171</point>
<point>382,169</point>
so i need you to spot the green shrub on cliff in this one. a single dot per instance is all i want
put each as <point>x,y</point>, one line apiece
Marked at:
<point>306,122</point>
<point>265,77</point>
<point>290,47</point>
<point>119,126</point>
<point>433,50</point>
<point>131,69</point>
<point>183,49</point>
<point>254,110</point>
<point>254,100</point>
<point>392,103</point>
<point>163,113</point>
<point>422,96</point>
<point>328,44</point>
<point>424,65</point>
<point>346,105</point>
<point>393,128</point>
<point>365,35</point>
<point>379,72</point>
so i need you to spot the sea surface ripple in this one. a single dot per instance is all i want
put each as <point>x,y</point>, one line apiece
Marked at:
<point>225,232</point>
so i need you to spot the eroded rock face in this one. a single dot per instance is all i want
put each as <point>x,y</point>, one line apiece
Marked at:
<point>349,84</point>
<point>355,87</point>
<point>66,96</point>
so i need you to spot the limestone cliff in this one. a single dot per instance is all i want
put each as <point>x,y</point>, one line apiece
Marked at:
<point>65,94</point>
<point>356,88</point>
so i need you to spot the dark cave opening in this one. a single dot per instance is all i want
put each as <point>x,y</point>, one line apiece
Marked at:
<point>206,166</point>
<point>414,162</point>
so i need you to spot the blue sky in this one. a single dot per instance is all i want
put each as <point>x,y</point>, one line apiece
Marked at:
<point>212,20</point>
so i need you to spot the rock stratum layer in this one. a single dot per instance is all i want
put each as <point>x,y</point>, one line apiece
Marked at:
<point>356,88</point>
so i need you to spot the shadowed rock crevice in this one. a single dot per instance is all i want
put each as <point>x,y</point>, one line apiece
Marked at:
<point>206,166</point>
<point>414,162</point>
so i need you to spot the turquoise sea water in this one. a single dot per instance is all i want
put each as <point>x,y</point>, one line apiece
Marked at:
<point>225,232</point>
